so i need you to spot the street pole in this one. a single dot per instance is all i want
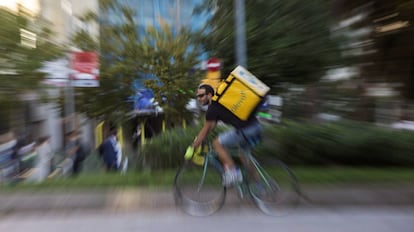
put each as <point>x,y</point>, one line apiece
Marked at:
<point>69,106</point>
<point>178,13</point>
<point>241,56</point>
<point>69,90</point>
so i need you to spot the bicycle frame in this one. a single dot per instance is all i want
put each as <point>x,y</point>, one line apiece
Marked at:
<point>246,153</point>
<point>210,158</point>
<point>258,168</point>
<point>266,190</point>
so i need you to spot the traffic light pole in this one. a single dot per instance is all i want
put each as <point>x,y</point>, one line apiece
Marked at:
<point>241,54</point>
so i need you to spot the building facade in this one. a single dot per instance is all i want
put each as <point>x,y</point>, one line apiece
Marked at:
<point>63,16</point>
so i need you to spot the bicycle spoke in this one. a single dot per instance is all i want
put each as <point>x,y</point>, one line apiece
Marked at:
<point>275,189</point>
<point>198,189</point>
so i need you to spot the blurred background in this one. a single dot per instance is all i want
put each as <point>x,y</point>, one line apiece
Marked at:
<point>341,75</point>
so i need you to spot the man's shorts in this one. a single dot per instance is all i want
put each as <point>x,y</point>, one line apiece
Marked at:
<point>235,138</point>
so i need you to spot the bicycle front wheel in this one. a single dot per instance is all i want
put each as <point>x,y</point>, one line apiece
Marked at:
<point>198,190</point>
<point>274,188</point>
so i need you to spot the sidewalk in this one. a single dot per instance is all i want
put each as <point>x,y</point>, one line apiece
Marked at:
<point>142,198</point>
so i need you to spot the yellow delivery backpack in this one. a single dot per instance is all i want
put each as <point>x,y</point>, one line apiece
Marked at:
<point>241,92</point>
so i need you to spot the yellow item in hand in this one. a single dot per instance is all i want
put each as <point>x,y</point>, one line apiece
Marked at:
<point>198,157</point>
<point>189,153</point>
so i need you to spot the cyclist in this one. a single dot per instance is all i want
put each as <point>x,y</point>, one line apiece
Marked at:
<point>239,136</point>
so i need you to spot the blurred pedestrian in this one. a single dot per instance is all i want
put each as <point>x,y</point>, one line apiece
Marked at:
<point>81,154</point>
<point>74,152</point>
<point>44,159</point>
<point>110,151</point>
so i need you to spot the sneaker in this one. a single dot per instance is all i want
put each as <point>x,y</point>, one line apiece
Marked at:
<point>232,177</point>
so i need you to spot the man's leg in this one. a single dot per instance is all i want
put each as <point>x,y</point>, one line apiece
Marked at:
<point>251,133</point>
<point>228,139</point>
<point>223,155</point>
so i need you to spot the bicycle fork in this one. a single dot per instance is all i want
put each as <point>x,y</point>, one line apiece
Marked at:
<point>210,160</point>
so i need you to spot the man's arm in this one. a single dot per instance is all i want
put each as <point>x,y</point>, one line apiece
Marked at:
<point>208,126</point>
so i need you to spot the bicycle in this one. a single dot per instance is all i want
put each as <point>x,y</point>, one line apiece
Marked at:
<point>198,188</point>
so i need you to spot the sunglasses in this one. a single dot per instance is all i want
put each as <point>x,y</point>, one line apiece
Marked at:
<point>200,95</point>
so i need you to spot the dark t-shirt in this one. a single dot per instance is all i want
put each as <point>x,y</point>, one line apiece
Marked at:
<point>217,112</point>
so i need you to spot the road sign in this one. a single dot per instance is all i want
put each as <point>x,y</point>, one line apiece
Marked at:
<point>84,69</point>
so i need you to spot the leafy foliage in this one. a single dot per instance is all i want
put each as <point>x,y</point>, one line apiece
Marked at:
<point>346,143</point>
<point>167,150</point>
<point>171,58</point>
<point>128,55</point>
<point>287,41</point>
<point>118,57</point>
<point>24,46</point>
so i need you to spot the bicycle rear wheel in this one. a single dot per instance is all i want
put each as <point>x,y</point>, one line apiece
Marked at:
<point>198,190</point>
<point>275,189</point>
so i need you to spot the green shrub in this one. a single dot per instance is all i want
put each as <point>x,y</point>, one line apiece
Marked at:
<point>345,143</point>
<point>167,149</point>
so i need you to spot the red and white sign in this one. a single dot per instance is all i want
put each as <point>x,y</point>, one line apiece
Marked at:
<point>84,69</point>
<point>213,64</point>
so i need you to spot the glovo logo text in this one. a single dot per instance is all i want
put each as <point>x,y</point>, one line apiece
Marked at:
<point>235,107</point>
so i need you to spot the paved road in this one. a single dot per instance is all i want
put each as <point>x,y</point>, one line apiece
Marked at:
<point>143,198</point>
<point>229,219</point>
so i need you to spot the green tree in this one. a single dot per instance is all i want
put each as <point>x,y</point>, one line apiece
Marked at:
<point>127,56</point>
<point>117,48</point>
<point>24,46</point>
<point>171,58</point>
<point>287,41</point>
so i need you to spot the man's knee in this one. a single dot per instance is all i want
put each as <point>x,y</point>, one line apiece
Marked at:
<point>218,146</point>
<point>216,143</point>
